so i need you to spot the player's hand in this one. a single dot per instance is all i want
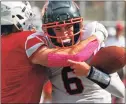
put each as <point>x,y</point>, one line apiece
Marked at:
<point>80,68</point>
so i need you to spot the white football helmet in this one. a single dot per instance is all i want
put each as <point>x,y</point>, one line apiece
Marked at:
<point>15,13</point>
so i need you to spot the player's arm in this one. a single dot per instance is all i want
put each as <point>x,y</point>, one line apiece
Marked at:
<point>46,55</point>
<point>97,29</point>
<point>58,56</point>
<point>111,83</point>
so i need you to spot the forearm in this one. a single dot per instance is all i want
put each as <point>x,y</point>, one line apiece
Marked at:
<point>111,84</point>
<point>80,55</point>
<point>57,57</point>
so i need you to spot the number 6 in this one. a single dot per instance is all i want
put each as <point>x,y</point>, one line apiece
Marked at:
<point>67,81</point>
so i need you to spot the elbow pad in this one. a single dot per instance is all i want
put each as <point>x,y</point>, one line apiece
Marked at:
<point>60,60</point>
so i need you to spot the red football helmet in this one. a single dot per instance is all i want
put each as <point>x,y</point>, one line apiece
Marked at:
<point>119,26</point>
<point>60,14</point>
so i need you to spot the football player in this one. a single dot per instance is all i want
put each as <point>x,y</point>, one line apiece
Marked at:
<point>21,80</point>
<point>62,24</point>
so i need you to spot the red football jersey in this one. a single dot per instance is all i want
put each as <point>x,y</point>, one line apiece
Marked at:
<point>22,81</point>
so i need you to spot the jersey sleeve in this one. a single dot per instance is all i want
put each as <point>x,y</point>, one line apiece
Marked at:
<point>95,28</point>
<point>34,42</point>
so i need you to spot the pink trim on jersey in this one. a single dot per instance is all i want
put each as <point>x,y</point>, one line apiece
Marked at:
<point>60,60</point>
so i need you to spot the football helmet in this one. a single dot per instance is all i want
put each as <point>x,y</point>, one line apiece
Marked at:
<point>15,13</point>
<point>59,14</point>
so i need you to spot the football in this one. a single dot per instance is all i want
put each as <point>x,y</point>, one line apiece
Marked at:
<point>109,59</point>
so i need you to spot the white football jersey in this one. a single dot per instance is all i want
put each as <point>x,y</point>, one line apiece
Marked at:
<point>68,88</point>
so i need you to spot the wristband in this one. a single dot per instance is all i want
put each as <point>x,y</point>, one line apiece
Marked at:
<point>101,78</point>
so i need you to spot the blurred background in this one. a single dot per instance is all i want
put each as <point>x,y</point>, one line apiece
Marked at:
<point>107,12</point>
